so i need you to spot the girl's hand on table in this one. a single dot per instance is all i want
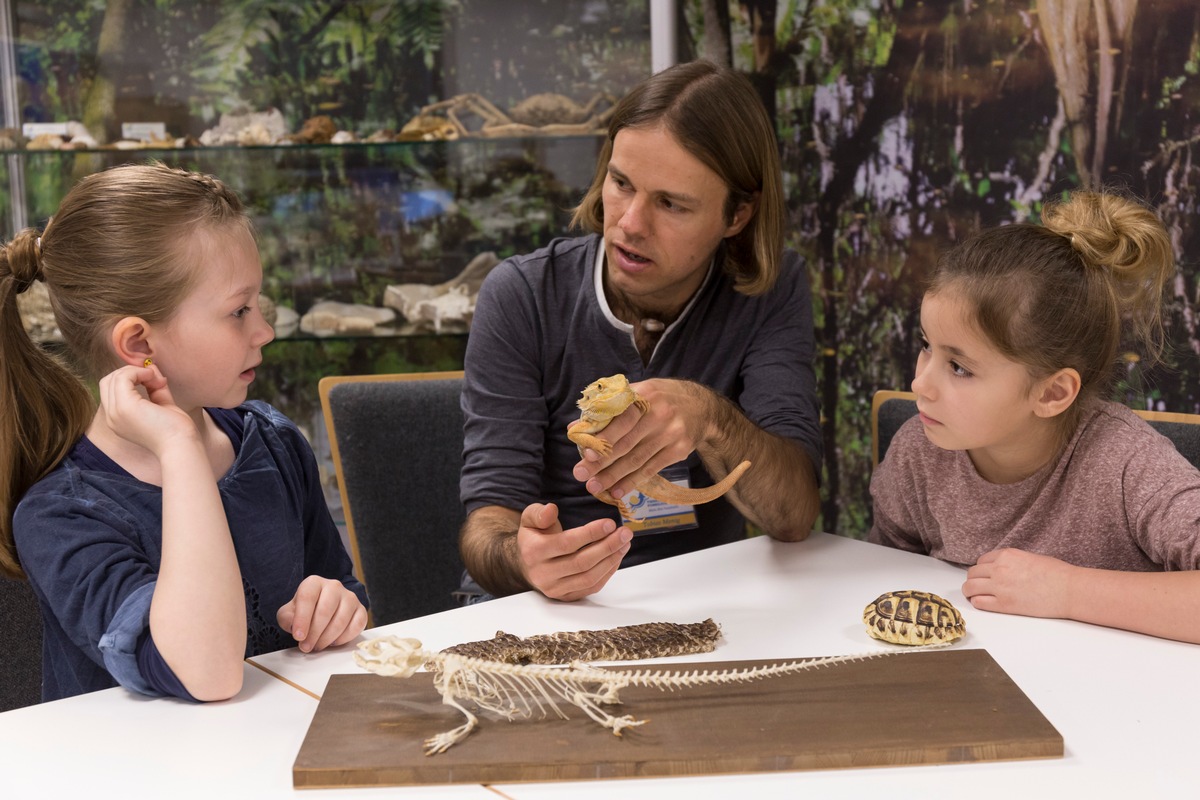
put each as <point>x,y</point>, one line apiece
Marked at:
<point>322,613</point>
<point>1013,581</point>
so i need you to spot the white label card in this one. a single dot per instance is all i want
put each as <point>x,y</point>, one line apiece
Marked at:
<point>144,131</point>
<point>32,129</point>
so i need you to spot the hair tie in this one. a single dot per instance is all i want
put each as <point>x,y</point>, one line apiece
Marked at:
<point>22,284</point>
<point>1074,242</point>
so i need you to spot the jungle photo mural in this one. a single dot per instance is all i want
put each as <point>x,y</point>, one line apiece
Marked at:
<point>904,126</point>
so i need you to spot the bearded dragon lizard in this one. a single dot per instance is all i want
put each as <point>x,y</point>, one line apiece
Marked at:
<point>608,397</point>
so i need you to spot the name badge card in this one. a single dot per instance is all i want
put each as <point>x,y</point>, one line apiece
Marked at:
<point>655,516</point>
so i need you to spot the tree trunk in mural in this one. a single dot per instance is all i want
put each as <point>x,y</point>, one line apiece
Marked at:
<point>99,114</point>
<point>761,16</point>
<point>1073,30</point>
<point>886,101</point>
<point>718,42</point>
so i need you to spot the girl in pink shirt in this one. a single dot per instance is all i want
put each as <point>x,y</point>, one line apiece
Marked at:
<point>1062,504</point>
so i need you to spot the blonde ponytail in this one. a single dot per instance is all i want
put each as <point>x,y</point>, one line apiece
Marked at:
<point>44,407</point>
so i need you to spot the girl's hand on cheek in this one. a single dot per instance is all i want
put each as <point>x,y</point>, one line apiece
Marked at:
<point>138,406</point>
<point>323,613</point>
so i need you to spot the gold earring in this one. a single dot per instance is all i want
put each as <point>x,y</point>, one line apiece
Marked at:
<point>147,362</point>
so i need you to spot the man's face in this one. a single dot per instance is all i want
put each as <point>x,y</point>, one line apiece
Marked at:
<point>663,219</point>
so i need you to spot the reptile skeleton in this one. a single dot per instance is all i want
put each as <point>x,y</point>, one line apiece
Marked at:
<point>607,398</point>
<point>518,690</point>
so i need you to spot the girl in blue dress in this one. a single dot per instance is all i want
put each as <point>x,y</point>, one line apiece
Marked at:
<point>175,528</point>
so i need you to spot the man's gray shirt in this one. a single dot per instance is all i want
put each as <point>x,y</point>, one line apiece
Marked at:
<point>542,332</point>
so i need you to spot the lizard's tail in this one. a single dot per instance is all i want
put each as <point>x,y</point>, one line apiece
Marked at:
<point>664,491</point>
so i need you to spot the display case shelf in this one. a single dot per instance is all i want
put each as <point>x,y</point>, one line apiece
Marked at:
<point>341,223</point>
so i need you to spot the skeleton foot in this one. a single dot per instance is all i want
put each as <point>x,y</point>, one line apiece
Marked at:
<point>447,739</point>
<point>590,702</point>
<point>619,724</point>
<point>444,741</point>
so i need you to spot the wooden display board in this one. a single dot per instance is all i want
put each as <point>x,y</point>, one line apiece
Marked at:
<point>937,707</point>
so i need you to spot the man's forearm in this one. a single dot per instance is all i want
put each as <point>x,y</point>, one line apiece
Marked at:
<point>779,492</point>
<point>488,544</point>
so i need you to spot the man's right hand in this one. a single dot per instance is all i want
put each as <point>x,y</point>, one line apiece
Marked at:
<point>568,565</point>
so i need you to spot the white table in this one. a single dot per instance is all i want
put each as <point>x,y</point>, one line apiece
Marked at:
<point>1126,704</point>
<point>115,744</point>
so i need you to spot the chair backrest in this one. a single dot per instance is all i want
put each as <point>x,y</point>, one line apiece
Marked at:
<point>396,443</point>
<point>1182,429</point>
<point>891,409</point>
<point>21,654</point>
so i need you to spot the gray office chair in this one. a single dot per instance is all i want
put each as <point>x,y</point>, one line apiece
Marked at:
<point>890,409</point>
<point>21,654</point>
<point>1182,429</point>
<point>396,442</point>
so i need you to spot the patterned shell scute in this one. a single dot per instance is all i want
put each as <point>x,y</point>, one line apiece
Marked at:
<point>914,618</point>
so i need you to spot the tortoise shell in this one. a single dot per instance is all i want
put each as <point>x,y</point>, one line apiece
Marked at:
<point>912,617</point>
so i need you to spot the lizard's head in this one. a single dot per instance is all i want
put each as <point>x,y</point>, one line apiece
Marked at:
<point>602,391</point>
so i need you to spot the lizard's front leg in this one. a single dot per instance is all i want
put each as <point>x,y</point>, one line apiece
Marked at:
<point>587,438</point>
<point>583,431</point>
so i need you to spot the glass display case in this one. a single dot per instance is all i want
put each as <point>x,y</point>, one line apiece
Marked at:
<point>389,152</point>
<point>378,145</point>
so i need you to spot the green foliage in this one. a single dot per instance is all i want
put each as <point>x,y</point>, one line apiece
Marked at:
<point>317,58</point>
<point>939,116</point>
